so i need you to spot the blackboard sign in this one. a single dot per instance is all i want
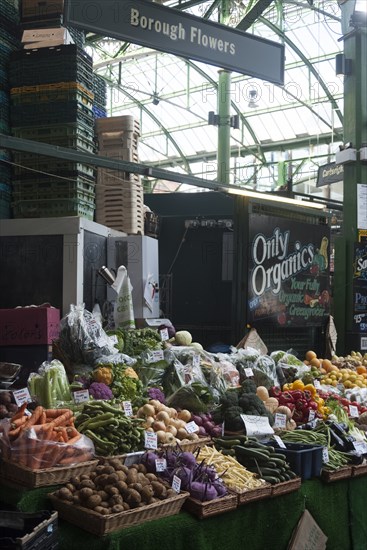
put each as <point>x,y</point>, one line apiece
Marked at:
<point>288,274</point>
<point>360,261</point>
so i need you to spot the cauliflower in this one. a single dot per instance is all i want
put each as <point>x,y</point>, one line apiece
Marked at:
<point>98,390</point>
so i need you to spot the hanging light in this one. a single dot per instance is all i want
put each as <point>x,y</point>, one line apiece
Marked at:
<point>253,97</point>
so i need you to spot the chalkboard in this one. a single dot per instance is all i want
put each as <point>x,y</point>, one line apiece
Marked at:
<point>31,270</point>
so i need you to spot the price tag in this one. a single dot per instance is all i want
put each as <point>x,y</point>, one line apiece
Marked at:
<point>353,411</point>
<point>257,425</point>
<point>113,339</point>
<point>249,372</point>
<point>192,427</point>
<point>133,458</point>
<point>325,455</point>
<point>360,447</point>
<point>280,442</point>
<point>223,429</point>
<point>150,440</point>
<point>311,415</point>
<point>196,360</point>
<point>22,396</point>
<point>176,484</point>
<point>317,384</point>
<point>81,396</point>
<point>157,355</point>
<point>128,409</point>
<point>160,464</point>
<point>280,420</point>
<point>164,334</point>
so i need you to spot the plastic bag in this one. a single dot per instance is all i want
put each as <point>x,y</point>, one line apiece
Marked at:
<point>34,450</point>
<point>82,337</point>
<point>50,385</point>
<point>123,310</point>
<point>265,373</point>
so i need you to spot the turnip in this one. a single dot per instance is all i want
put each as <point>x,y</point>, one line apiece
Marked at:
<point>197,419</point>
<point>185,475</point>
<point>203,491</point>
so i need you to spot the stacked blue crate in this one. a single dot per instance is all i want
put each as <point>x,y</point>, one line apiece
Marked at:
<point>9,41</point>
<point>100,96</point>
<point>51,92</point>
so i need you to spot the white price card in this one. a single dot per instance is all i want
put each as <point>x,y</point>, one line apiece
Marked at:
<point>325,455</point>
<point>176,484</point>
<point>81,396</point>
<point>22,396</point>
<point>280,420</point>
<point>353,411</point>
<point>249,372</point>
<point>311,415</point>
<point>156,355</point>
<point>128,409</point>
<point>192,427</point>
<point>164,334</point>
<point>113,339</point>
<point>360,447</point>
<point>196,360</point>
<point>151,441</point>
<point>280,441</point>
<point>133,458</point>
<point>257,425</point>
<point>317,384</point>
<point>160,464</point>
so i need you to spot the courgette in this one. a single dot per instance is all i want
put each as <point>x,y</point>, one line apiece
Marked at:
<point>226,443</point>
<point>250,452</point>
<point>271,479</point>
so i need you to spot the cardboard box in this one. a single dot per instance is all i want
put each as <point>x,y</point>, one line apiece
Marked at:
<point>27,326</point>
<point>40,38</point>
<point>307,535</point>
<point>28,531</point>
<point>42,8</point>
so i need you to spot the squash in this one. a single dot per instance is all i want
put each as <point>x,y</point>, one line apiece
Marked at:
<point>271,404</point>
<point>103,375</point>
<point>262,392</point>
<point>290,424</point>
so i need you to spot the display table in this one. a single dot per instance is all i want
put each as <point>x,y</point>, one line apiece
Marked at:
<point>339,508</point>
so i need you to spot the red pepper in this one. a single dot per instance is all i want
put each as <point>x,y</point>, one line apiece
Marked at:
<point>307,395</point>
<point>275,391</point>
<point>301,405</point>
<point>312,405</point>
<point>298,416</point>
<point>285,398</point>
<point>297,394</point>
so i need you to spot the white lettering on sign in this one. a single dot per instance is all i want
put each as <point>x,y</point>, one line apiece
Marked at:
<point>178,32</point>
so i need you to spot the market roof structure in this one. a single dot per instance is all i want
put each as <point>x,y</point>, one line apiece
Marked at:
<point>285,132</point>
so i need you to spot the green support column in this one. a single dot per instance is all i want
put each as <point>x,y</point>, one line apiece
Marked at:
<point>224,127</point>
<point>355,132</point>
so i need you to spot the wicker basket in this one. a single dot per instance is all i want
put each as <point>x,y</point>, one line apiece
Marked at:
<point>211,507</point>
<point>25,477</point>
<point>359,470</point>
<point>252,495</point>
<point>190,446</point>
<point>285,487</point>
<point>336,475</point>
<point>101,525</point>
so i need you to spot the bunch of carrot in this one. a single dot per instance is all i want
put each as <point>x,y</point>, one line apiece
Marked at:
<point>45,438</point>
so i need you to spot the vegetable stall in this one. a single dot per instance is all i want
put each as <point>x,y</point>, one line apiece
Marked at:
<point>131,433</point>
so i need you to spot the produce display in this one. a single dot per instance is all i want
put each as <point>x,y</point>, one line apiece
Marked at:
<point>184,411</point>
<point>113,488</point>
<point>43,439</point>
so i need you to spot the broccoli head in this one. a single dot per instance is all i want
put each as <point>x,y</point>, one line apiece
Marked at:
<point>229,399</point>
<point>232,419</point>
<point>248,386</point>
<point>251,404</point>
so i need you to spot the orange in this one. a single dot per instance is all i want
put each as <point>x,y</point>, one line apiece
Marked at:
<point>310,355</point>
<point>361,369</point>
<point>315,362</point>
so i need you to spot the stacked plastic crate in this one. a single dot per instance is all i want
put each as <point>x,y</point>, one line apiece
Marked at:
<point>9,41</point>
<point>100,96</point>
<point>52,102</point>
<point>119,194</point>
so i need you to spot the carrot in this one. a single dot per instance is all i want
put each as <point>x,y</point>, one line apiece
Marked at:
<point>13,434</point>
<point>19,413</point>
<point>62,419</point>
<point>72,432</point>
<point>17,422</point>
<point>74,439</point>
<point>34,418</point>
<point>54,413</point>
<point>42,419</point>
<point>71,459</point>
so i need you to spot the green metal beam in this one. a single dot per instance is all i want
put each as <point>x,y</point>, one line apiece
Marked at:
<point>253,14</point>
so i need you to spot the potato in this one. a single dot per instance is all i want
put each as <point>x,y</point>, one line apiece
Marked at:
<point>151,477</point>
<point>137,486</point>
<point>121,486</point>
<point>111,490</point>
<point>158,488</point>
<point>132,476</point>
<point>121,475</point>
<point>93,501</point>
<point>65,494</point>
<point>71,487</point>
<point>87,483</point>
<point>101,480</point>
<point>147,493</point>
<point>133,498</point>
<point>103,495</point>
<point>85,493</point>
<point>117,508</point>
<point>116,463</point>
<point>142,469</point>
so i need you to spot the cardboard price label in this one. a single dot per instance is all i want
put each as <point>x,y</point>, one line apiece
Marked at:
<point>151,441</point>
<point>176,484</point>
<point>81,396</point>
<point>192,427</point>
<point>22,396</point>
<point>353,411</point>
<point>128,409</point>
<point>160,464</point>
<point>164,334</point>
<point>280,442</point>
<point>325,455</point>
<point>360,447</point>
<point>280,420</point>
<point>317,384</point>
<point>249,372</point>
<point>257,425</point>
<point>156,355</point>
<point>311,415</point>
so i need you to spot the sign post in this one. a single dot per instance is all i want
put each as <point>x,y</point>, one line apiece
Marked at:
<point>170,30</point>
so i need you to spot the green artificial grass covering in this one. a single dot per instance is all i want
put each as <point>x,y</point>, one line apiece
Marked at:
<point>338,508</point>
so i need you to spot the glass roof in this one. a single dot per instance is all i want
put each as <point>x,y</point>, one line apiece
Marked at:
<point>285,132</point>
